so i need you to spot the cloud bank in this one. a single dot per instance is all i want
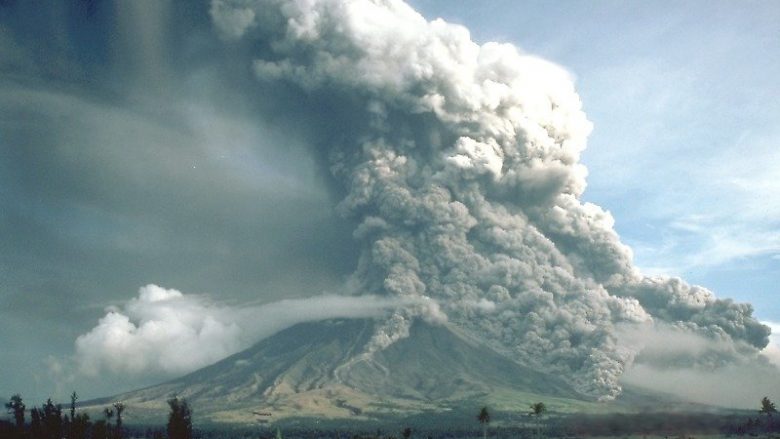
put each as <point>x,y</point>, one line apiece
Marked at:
<point>772,350</point>
<point>460,163</point>
<point>705,369</point>
<point>166,331</point>
<point>160,330</point>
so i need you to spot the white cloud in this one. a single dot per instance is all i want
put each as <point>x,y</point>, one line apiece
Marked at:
<point>772,351</point>
<point>161,329</point>
<point>231,22</point>
<point>711,214</point>
<point>169,332</point>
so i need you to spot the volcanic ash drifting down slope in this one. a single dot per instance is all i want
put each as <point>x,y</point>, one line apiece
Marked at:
<point>460,162</point>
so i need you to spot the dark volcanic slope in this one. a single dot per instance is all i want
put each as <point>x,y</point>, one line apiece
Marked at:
<point>434,363</point>
<point>319,369</point>
<point>301,358</point>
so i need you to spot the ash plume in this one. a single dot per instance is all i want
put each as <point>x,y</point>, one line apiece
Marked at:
<point>460,163</point>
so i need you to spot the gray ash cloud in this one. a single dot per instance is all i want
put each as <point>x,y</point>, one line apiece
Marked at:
<point>459,163</point>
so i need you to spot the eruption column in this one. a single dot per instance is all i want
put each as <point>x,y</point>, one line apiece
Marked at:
<point>460,162</point>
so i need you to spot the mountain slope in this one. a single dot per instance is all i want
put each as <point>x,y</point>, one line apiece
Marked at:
<point>318,369</point>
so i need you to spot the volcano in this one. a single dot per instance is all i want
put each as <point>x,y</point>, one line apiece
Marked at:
<point>319,370</point>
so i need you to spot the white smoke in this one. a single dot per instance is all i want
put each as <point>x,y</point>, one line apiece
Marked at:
<point>161,329</point>
<point>772,350</point>
<point>460,161</point>
<point>169,332</point>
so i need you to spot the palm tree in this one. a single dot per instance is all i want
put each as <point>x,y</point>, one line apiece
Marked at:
<point>52,419</point>
<point>71,426</point>
<point>119,408</point>
<point>537,410</point>
<point>108,413</point>
<point>484,419</point>
<point>16,407</point>
<point>179,419</point>
<point>73,399</point>
<point>767,408</point>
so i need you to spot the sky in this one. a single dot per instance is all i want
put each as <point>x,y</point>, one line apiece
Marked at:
<point>131,154</point>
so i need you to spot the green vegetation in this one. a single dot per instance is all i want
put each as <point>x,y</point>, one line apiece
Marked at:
<point>179,419</point>
<point>769,410</point>
<point>484,419</point>
<point>537,410</point>
<point>49,421</point>
<point>16,407</point>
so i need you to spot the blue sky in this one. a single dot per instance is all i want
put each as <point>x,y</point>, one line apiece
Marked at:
<point>685,102</point>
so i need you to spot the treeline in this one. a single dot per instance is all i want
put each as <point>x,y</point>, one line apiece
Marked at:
<point>50,422</point>
<point>659,424</point>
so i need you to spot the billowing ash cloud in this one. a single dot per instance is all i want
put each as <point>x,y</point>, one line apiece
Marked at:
<point>460,162</point>
<point>166,331</point>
